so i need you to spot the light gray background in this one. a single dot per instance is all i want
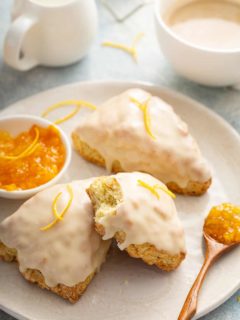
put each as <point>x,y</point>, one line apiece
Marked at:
<point>105,63</point>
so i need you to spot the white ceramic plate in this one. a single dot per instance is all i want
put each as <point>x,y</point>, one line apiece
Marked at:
<point>126,288</point>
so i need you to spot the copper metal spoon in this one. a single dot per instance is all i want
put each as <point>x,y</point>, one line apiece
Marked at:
<point>214,249</point>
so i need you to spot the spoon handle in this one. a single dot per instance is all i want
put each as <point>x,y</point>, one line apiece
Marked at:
<point>190,306</point>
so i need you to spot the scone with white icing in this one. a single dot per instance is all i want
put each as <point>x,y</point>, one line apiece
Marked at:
<point>136,131</point>
<point>138,211</point>
<point>53,239</point>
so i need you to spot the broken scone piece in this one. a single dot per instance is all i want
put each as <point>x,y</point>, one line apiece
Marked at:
<point>138,211</point>
<point>53,239</point>
<point>136,131</point>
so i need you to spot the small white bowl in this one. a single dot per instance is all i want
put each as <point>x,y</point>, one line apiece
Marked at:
<point>19,123</point>
<point>202,65</point>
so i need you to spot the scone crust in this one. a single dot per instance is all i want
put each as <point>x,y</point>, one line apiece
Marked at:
<point>147,252</point>
<point>7,254</point>
<point>193,188</point>
<point>71,294</point>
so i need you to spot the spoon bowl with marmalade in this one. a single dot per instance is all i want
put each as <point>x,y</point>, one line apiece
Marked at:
<point>221,232</point>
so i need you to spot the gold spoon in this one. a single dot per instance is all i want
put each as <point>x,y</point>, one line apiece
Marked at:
<point>214,249</point>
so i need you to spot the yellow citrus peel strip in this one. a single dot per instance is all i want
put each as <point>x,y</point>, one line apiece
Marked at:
<point>28,151</point>
<point>115,45</point>
<point>147,121</point>
<point>153,189</point>
<point>68,116</point>
<point>150,188</point>
<point>54,207</point>
<point>165,189</point>
<point>132,50</point>
<point>59,216</point>
<point>77,103</point>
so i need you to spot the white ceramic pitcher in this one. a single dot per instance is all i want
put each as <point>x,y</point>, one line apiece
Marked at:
<point>49,32</point>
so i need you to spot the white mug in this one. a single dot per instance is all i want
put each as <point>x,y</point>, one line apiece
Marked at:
<point>205,66</point>
<point>49,32</point>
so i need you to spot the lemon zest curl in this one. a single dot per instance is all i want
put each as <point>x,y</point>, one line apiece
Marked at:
<point>59,216</point>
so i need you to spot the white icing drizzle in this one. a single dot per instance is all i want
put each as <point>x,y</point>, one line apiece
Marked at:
<point>117,130</point>
<point>68,252</point>
<point>143,217</point>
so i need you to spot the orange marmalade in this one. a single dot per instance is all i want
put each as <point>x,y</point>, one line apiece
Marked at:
<point>223,223</point>
<point>31,159</point>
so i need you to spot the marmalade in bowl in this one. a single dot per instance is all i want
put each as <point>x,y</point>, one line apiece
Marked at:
<point>223,223</point>
<point>31,159</point>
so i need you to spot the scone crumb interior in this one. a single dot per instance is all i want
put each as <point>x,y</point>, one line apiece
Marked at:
<point>106,196</point>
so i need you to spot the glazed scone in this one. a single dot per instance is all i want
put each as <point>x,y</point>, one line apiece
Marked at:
<point>121,136</point>
<point>64,256</point>
<point>139,212</point>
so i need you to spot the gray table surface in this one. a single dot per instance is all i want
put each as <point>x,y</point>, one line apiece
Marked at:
<point>104,64</point>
